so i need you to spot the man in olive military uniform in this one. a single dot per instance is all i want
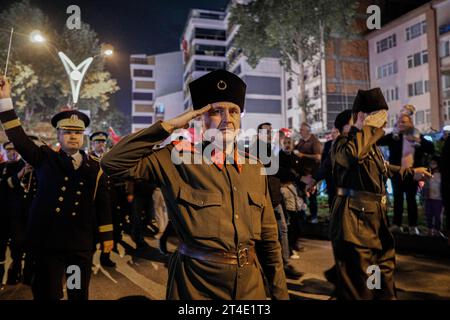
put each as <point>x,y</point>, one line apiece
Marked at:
<point>362,243</point>
<point>71,204</point>
<point>219,206</point>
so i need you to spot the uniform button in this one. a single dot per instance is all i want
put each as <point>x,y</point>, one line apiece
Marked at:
<point>202,202</point>
<point>77,203</point>
<point>74,214</point>
<point>234,188</point>
<point>78,192</point>
<point>57,209</point>
<point>61,199</point>
<point>81,183</point>
<point>118,208</point>
<point>34,190</point>
<point>63,188</point>
<point>236,216</point>
<point>66,178</point>
<point>25,196</point>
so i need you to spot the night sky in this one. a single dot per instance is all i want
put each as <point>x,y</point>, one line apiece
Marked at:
<point>132,26</point>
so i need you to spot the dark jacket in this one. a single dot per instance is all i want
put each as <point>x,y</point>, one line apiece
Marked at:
<point>71,206</point>
<point>396,148</point>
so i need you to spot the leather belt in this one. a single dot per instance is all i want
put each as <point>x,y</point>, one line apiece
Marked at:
<point>362,195</point>
<point>242,257</point>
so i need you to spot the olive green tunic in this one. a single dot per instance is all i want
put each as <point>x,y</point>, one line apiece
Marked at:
<point>359,227</point>
<point>219,206</point>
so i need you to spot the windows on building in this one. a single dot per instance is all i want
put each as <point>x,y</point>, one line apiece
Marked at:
<point>316,72</point>
<point>417,88</point>
<point>416,30</point>
<point>428,116</point>
<point>386,43</point>
<point>387,70</point>
<point>418,59</point>
<point>446,86</point>
<point>201,65</point>
<point>445,49</point>
<point>317,115</point>
<point>391,94</point>
<point>290,103</point>
<point>289,84</point>
<point>316,92</point>
<point>290,124</point>
<point>143,96</point>
<point>420,117</point>
<point>211,34</point>
<point>209,50</point>
<point>146,73</point>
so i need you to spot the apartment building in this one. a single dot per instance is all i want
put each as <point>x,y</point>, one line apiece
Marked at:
<point>155,81</point>
<point>410,62</point>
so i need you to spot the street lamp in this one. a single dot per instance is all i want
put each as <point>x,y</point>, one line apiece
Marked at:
<point>75,73</point>
<point>37,37</point>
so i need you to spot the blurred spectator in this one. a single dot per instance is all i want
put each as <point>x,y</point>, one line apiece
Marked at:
<point>293,202</point>
<point>309,151</point>
<point>433,199</point>
<point>407,148</point>
<point>264,147</point>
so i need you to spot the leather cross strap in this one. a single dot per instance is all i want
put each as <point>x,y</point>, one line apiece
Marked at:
<point>241,258</point>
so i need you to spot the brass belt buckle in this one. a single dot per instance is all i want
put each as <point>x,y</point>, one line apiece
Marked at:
<point>242,257</point>
<point>383,200</point>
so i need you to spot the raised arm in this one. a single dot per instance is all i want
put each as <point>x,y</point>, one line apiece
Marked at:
<point>29,151</point>
<point>129,157</point>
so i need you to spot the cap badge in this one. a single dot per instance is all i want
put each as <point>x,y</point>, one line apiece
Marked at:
<point>221,85</point>
<point>73,118</point>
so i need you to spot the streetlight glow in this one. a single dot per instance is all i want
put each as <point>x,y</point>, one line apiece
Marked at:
<point>107,49</point>
<point>37,37</point>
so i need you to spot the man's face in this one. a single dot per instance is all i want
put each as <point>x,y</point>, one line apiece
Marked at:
<point>304,132</point>
<point>226,117</point>
<point>12,155</point>
<point>70,140</point>
<point>99,147</point>
<point>334,133</point>
<point>404,123</point>
<point>287,144</point>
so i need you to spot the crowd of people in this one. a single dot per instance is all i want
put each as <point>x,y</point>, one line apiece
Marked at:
<point>60,203</point>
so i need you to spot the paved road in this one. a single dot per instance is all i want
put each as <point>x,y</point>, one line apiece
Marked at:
<point>145,275</point>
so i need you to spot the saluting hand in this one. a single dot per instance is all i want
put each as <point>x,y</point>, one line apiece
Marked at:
<point>182,121</point>
<point>5,88</point>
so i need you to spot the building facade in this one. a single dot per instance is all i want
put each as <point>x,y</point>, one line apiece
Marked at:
<point>409,62</point>
<point>153,77</point>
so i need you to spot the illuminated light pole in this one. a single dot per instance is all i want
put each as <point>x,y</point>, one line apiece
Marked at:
<point>75,73</point>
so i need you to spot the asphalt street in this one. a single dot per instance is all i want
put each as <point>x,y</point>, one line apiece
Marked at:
<point>144,274</point>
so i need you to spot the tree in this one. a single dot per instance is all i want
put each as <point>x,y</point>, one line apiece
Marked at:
<point>41,85</point>
<point>296,29</point>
